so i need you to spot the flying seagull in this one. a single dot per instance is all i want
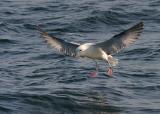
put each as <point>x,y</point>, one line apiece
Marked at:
<point>101,50</point>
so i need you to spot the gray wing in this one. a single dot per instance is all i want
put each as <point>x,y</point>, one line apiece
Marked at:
<point>122,40</point>
<point>59,44</point>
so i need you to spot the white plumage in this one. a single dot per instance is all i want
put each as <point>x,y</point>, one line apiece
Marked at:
<point>102,50</point>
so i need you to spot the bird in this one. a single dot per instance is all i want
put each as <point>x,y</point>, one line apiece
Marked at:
<point>103,50</point>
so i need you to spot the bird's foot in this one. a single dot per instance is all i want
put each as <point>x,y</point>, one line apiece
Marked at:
<point>93,74</point>
<point>110,71</point>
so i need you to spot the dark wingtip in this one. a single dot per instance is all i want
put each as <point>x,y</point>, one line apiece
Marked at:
<point>140,24</point>
<point>38,28</point>
<point>41,31</point>
<point>138,27</point>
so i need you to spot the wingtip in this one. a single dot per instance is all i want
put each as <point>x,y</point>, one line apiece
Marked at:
<point>140,25</point>
<point>40,30</point>
<point>141,22</point>
<point>137,27</point>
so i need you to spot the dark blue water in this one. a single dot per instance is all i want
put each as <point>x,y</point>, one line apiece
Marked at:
<point>34,79</point>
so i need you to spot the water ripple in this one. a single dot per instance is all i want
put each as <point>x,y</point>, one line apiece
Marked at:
<point>37,80</point>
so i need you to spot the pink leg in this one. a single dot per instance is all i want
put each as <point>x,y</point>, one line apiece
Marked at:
<point>110,71</point>
<point>93,74</point>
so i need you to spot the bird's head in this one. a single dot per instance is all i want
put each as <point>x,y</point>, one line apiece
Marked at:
<point>82,50</point>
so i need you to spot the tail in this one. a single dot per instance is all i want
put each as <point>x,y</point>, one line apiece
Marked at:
<point>112,60</point>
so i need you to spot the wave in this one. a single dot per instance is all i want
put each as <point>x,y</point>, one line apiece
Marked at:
<point>2,41</point>
<point>98,19</point>
<point>61,102</point>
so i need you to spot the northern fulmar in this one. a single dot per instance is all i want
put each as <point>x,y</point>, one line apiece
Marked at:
<point>101,50</point>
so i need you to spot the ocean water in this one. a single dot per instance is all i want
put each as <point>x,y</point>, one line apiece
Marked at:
<point>35,79</point>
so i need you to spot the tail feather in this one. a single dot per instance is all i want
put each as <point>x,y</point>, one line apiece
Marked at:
<point>112,60</point>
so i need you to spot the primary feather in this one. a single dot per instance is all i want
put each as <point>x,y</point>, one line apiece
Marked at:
<point>122,40</point>
<point>68,48</point>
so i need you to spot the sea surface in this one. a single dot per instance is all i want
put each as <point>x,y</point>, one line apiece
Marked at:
<point>35,79</point>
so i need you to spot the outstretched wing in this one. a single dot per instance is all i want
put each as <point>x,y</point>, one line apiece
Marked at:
<point>67,48</point>
<point>122,40</point>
